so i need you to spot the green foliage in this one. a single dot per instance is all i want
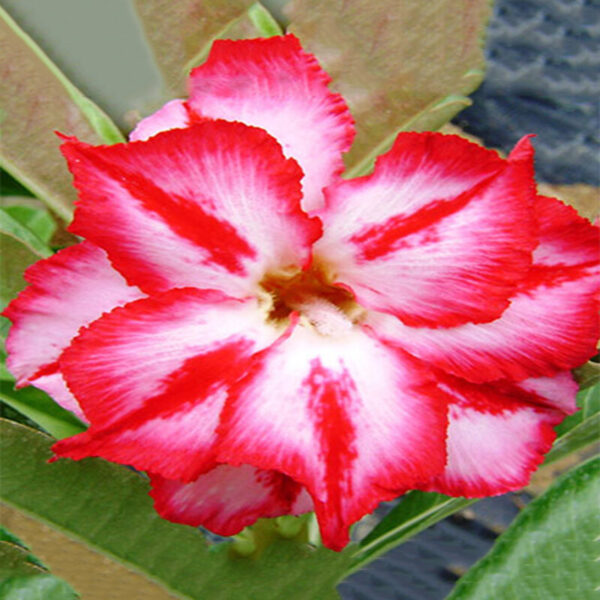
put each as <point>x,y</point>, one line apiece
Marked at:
<point>36,100</point>
<point>581,429</point>
<point>107,506</point>
<point>400,65</point>
<point>181,34</point>
<point>23,577</point>
<point>42,410</point>
<point>550,550</point>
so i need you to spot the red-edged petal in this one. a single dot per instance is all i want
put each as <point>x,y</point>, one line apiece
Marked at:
<point>67,291</point>
<point>272,83</point>
<point>226,499</point>
<point>152,377</point>
<point>344,416</point>
<point>173,115</point>
<point>551,324</point>
<point>213,205</point>
<point>497,436</point>
<point>439,234</point>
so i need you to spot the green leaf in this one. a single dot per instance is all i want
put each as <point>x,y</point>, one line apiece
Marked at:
<point>37,220</point>
<point>23,577</point>
<point>15,257</point>
<point>107,507</point>
<point>549,551</point>
<point>181,34</point>
<point>11,227</point>
<point>16,561</point>
<point>36,587</point>
<point>41,409</point>
<point>588,374</point>
<point>399,65</point>
<point>579,430</point>
<point>36,100</point>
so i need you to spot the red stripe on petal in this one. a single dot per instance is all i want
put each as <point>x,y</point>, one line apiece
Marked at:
<point>273,84</point>
<point>214,205</point>
<point>348,419</point>
<point>440,234</point>
<point>496,439</point>
<point>153,375</point>
<point>67,291</point>
<point>552,322</point>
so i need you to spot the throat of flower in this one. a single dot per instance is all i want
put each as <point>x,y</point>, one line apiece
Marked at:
<point>326,318</point>
<point>328,309</point>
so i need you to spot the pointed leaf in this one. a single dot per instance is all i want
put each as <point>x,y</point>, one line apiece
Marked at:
<point>549,551</point>
<point>107,506</point>
<point>181,33</point>
<point>580,429</point>
<point>11,227</point>
<point>37,99</point>
<point>37,220</point>
<point>416,511</point>
<point>42,410</point>
<point>398,64</point>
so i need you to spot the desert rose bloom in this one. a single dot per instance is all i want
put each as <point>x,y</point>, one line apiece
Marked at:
<point>265,338</point>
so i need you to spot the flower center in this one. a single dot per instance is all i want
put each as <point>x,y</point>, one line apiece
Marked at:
<point>329,309</point>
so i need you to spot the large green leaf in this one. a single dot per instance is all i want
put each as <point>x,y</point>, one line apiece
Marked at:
<point>550,551</point>
<point>36,99</point>
<point>400,65</point>
<point>107,506</point>
<point>181,33</point>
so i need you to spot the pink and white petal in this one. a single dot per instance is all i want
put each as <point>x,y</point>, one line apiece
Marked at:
<point>214,205</point>
<point>438,235</point>
<point>272,83</point>
<point>225,499</point>
<point>54,385</point>
<point>67,291</point>
<point>344,416</point>
<point>552,322</point>
<point>559,391</point>
<point>497,436</point>
<point>173,115</point>
<point>159,412</point>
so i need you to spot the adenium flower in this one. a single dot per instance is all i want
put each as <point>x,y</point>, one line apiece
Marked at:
<point>265,338</point>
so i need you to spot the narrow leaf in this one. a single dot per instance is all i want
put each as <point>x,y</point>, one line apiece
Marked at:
<point>415,512</point>
<point>37,220</point>
<point>396,63</point>
<point>16,561</point>
<point>180,34</point>
<point>107,507</point>
<point>587,375</point>
<point>9,226</point>
<point>549,551</point>
<point>579,430</point>
<point>37,99</point>
<point>41,409</point>
<point>15,257</point>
